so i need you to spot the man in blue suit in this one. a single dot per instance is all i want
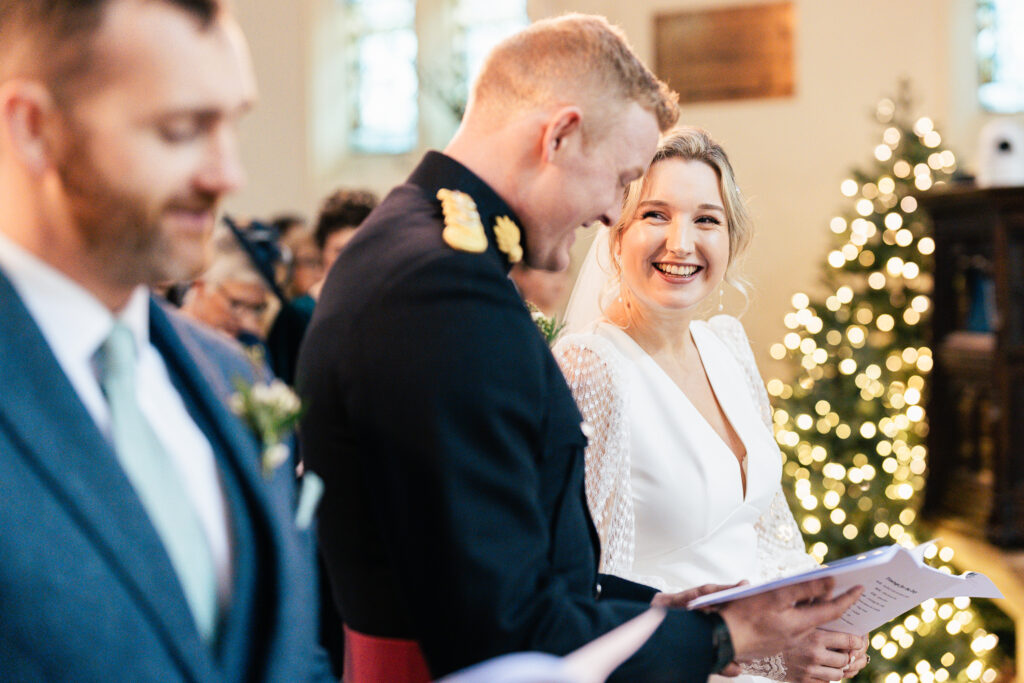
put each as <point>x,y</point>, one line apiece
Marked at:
<point>143,539</point>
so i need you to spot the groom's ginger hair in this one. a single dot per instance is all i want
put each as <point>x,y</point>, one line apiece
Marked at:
<point>571,59</point>
<point>52,40</point>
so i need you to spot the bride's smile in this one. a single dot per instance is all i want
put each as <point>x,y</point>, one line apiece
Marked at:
<point>675,252</point>
<point>673,271</point>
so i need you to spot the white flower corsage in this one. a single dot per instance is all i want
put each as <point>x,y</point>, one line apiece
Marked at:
<point>272,410</point>
<point>548,325</point>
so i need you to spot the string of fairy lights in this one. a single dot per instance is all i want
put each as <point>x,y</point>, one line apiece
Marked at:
<point>852,423</point>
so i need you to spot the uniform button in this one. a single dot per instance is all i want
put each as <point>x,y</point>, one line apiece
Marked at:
<point>597,591</point>
<point>587,429</point>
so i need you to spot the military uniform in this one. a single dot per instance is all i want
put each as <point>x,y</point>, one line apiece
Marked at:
<point>452,452</point>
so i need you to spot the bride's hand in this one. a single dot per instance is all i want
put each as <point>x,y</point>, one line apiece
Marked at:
<point>859,659</point>
<point>683,598</point>
<point>823,656</point>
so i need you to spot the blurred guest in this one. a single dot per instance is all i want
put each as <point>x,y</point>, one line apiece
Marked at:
<point>305,267</point>
<point>340,216</point>
<point>286,223</point>
<point>301,254</point>
<point>231,295</point>
<point>284,323</point>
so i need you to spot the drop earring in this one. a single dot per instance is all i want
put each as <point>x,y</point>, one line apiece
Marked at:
<point>721,295</point>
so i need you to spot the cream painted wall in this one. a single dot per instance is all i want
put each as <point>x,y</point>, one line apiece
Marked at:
<point>790,154</point>
<point>275,135</point>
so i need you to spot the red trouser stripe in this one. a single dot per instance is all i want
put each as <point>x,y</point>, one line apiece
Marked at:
<point>371,659</point>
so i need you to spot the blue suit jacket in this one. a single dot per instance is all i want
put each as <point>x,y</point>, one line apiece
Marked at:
<point>87,592</point>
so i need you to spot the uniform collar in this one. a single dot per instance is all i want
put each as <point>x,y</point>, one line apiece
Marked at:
<point>438,170</point>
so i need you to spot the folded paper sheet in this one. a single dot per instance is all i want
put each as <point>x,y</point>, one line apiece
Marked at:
<point>592,663</point>
<point>895,580</point>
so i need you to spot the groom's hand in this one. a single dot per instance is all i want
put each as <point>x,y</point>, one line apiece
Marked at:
<point>769,623</point>
<point>683,598</point>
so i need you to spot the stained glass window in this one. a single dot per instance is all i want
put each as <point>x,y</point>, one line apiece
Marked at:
<point>483,24</point>
<point>385,51</point>
<point>383,76</point>
<point>1001,55</point>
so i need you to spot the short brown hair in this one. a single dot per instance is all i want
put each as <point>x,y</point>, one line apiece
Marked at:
<point>572,55</point>
<point>52,39</point>
<point>343,209</point>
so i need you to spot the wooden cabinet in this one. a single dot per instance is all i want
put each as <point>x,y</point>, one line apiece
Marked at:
<point>976,399</point>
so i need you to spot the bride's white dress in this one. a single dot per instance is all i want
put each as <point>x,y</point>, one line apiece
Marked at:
<point>665,491</point>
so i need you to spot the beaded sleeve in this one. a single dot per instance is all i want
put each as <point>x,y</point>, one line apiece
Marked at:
<point>592,368</point>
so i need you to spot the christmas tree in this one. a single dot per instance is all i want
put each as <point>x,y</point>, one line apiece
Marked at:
<point>851,424</point>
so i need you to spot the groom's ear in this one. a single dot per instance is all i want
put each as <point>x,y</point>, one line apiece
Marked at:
<point>563,134</point>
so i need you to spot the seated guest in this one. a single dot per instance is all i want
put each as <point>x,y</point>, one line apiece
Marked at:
<point>305,266</point>
<point>286,223</point>
<point>287,321</point>
<point>230,295</point>
<point>682,471</point>
<point>238,295</point>
<point>340,216</point>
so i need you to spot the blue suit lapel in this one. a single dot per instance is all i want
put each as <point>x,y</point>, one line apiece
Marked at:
<point>62,443</point>
<point>206,386</point>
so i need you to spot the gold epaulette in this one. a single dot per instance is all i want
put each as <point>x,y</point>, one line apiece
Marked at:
<point>463,229</point>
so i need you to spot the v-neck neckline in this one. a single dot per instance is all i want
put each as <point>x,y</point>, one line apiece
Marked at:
<point>742,469</point>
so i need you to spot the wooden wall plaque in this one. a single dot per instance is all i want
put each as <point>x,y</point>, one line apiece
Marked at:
<point>727,54</point>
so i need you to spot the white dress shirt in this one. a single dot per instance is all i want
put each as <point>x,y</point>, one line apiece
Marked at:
<point>75,324</point>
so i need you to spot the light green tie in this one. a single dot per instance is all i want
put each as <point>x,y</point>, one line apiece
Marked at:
<point>157,482</point>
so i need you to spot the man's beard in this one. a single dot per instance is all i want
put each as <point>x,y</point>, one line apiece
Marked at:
<point>119,228</point>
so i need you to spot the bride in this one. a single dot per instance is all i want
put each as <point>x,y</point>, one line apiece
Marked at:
<point>682,472</point>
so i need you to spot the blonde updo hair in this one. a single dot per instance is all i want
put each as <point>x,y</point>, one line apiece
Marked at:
<point>693,144</point>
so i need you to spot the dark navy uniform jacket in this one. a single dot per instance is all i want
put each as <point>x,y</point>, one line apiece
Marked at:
<point>454,512</point>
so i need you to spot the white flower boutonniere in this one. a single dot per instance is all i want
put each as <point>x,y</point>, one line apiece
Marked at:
<point>548,325</point>
<point>272,411</point>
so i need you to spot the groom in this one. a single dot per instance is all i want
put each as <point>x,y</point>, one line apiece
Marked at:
<point>454,524</point>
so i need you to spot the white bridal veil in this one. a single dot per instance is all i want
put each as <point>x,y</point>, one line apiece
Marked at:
<point>596,286</point>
